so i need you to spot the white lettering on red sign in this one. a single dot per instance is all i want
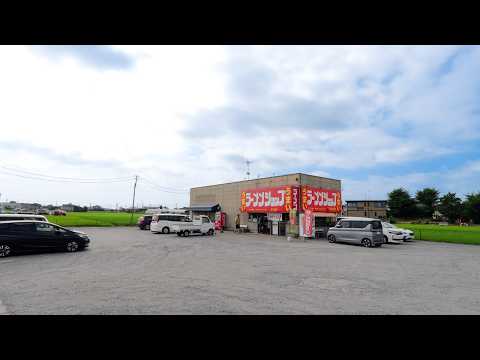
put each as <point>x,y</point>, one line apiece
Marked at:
<point>321,198</point>
<point>267,198</point>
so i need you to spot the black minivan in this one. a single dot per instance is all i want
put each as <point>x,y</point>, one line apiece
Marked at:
<point>25,236</point>
<point>144,222</point>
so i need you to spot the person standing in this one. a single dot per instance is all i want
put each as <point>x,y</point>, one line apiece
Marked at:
<point>237,223</point>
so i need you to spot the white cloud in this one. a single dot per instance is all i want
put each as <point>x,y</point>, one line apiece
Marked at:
<point>190,115</point>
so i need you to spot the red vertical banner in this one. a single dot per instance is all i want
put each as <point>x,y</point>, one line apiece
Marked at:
<point>308,223</point>
<point>244,201</point>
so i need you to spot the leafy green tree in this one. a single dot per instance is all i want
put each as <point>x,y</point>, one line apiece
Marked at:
<point>401,204</point>
<point>427,200</point>
<point>451,207</point>
<point>472,207</point>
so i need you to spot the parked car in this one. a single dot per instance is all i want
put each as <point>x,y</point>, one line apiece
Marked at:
<point>163,222</point>
<point>26,236</point>
<point>59,212</point>
<point>144,222</point>
<point>24,211</point>
<point>14,217</point>
<point>43,212</point>
<point>364,231</point>
<point>394,234</point>
<point>201,225</point>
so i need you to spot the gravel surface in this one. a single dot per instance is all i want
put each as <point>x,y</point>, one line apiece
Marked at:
<point>128,271</point>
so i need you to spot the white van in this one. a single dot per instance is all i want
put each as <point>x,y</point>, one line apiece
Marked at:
<point>13,217</point>
<point>163,222</point>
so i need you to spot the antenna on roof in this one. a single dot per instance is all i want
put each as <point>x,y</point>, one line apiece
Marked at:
<point>248,162</point>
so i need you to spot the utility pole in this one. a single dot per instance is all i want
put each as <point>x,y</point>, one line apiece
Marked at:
<point>133,203</point>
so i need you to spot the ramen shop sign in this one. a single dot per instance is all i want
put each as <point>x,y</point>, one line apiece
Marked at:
<point>282,199</point>
<point>269,200</point>
<point>321,200</point>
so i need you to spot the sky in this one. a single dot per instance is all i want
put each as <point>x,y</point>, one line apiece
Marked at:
<point>79,122</point>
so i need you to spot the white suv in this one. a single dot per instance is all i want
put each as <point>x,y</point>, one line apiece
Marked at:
<point>14,217</point>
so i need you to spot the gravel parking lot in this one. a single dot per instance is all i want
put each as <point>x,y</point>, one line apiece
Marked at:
<point>128,271</point>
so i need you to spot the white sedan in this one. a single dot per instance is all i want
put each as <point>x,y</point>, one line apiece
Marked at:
<point>394,234</point>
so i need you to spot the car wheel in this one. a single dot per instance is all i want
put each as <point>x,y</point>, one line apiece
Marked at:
<point>72,246</point>
<point>366,243</point>
<point>331,238</point>
<point>210,232</point>
<point>166,230</point>
<point>5,250</point>
<point>186,233</point>
<point>385,237</point>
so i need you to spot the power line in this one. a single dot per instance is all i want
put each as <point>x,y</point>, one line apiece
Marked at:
<point>65,178</point>
<point>60,179</point>
<point>151,186</point>
<point>64,181</point>
<point>160,186</point>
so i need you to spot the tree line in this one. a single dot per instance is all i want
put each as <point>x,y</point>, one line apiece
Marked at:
<point>428,200</point>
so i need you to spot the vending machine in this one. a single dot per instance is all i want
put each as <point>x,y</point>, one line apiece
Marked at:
<point>220,218</point>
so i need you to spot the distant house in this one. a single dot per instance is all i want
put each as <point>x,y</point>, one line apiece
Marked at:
<point>26,207</point>
<point>72,208</point>
<point>437,215</point>
<point>67,207</point>
<point>96,208</point>
<point>367,208</point>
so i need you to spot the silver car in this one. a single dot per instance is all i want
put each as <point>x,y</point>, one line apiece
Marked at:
<point>364,231</point>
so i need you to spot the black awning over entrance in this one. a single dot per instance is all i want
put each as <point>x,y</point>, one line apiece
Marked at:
<point>204,208</point>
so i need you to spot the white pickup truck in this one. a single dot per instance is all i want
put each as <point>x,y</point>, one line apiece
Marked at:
<point>200,225</point>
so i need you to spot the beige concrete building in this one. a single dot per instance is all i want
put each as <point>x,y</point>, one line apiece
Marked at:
<point>268,204</point>
<point>376,209</point>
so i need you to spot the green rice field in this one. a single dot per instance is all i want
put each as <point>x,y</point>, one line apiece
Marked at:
<point>94,218</point>
<point>451,233</point>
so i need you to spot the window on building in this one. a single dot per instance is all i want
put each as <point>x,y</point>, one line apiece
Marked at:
<point>354,205</point>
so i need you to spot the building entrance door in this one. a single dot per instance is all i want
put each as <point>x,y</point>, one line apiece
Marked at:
<point>262,224</point>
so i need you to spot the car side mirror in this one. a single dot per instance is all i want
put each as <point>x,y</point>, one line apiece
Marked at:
<point>338,225</point>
